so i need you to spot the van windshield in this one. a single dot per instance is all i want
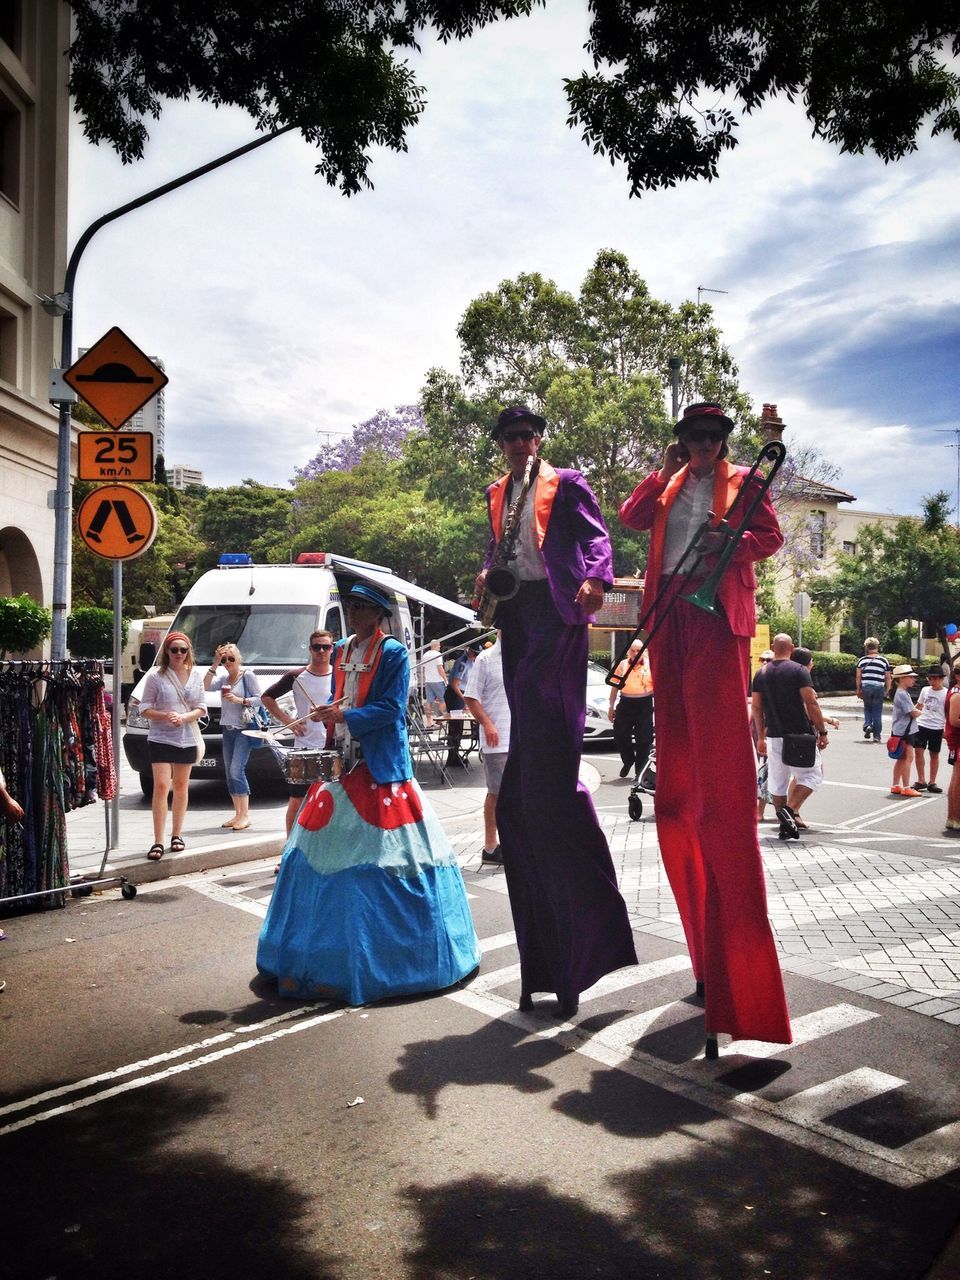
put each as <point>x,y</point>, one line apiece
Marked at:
<point>272,635</point>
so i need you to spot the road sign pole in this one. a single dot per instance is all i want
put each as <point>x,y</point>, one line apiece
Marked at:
<point>114,840</point>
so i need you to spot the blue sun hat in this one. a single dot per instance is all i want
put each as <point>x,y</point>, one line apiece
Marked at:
<point>364,593</point>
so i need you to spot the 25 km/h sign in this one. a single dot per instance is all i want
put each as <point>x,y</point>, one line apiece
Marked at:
<point>115,377</point>
<point>117,522</point>
<point>115,455</point>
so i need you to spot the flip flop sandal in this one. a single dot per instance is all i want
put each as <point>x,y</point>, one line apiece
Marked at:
<point>155,852</point>
<point>177,845</point>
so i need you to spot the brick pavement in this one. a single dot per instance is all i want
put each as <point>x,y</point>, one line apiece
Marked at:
<point>886,924</point>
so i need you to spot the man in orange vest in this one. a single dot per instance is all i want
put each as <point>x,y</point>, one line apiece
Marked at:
<point>706,797</point>
<point>632,713</point>
<point>571,922</point>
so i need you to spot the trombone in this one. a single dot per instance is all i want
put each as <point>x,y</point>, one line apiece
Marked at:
<point>704,597</point>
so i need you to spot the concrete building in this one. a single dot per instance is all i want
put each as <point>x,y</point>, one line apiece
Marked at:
<point>34,109</point>
<point>181,477</point>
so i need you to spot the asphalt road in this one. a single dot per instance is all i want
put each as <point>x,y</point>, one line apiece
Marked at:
<point>164,1113</point>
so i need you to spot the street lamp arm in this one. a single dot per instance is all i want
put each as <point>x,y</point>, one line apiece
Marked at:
<point>62,510</point>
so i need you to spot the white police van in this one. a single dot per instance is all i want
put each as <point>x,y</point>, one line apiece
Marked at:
<point>268,611</point>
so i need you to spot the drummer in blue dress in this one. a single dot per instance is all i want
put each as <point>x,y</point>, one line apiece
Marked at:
<point>369,901</point>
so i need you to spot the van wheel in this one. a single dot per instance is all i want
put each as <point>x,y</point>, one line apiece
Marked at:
<point>146,785</point>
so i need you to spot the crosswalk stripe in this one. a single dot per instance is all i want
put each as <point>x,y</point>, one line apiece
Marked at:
<point>632,976</point>
<point>809,1026</point>
<point>822,1100</point>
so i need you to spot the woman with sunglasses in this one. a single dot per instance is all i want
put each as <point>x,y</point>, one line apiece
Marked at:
<point>239,690</point>
<point>706,801</point>
<point>173,699</point>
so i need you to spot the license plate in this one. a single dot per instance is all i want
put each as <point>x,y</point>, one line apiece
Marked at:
<point>208,762</point>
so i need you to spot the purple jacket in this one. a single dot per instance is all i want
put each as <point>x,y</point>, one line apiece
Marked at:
<point>571,535</point>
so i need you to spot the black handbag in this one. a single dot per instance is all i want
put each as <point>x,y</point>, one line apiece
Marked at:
<point>799,750</point>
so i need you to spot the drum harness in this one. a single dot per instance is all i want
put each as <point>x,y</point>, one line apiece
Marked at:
<point>353,670</point>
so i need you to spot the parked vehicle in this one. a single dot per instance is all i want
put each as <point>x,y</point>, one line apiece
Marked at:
<point>144,637</point>
<point>269,611</point>
<point>598,726</point>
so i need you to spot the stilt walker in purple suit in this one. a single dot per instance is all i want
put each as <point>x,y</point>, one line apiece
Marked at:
<point>571,922</point>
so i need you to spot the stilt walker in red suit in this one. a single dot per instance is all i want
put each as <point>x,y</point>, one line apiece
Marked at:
<point>706,805</point>
<point>571,922</point>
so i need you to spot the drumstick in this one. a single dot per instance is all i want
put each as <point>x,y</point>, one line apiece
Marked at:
<point>274,733</point>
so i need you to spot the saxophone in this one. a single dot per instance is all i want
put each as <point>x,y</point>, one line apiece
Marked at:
<point>501,582</point>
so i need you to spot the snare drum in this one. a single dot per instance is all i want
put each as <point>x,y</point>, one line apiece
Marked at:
<point>311,766</point>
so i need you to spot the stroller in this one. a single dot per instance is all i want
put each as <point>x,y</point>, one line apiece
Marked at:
<point>646,784</point>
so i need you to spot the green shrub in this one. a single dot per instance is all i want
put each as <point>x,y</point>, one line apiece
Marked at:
<point>817,629</point>
<point>90,632</point>
<point>24,624</point>
<point>834,672</point>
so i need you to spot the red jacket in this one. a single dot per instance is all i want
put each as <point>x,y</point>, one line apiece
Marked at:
<point>648,508</point>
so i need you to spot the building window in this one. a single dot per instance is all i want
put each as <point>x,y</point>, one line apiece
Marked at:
<point>9,150</point>
<point>849,548</point>
<point>818,534</point>
<point>8,347</point>
<point>10,24</point>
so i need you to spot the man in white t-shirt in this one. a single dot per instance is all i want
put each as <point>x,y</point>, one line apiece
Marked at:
<point>486,701</point>
<point>433,679</point>
<point>311,687</point>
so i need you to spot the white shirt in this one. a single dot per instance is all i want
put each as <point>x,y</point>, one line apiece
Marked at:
<point>485,684</point>
<point>529,561</point>
<point>931,703</point>
<point>687,514</point>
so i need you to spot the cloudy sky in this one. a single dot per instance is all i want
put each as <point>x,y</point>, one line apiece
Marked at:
<point>286,313</point>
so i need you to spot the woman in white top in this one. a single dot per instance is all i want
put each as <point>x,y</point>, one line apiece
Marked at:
<point>172,700</point>
<point>239,690</point>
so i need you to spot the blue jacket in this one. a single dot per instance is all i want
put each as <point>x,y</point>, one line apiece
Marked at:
<point>380,725</point>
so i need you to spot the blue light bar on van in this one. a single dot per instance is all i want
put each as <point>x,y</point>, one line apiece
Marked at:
<point>235,557</point>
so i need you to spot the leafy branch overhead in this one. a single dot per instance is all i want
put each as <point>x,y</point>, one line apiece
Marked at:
<point>670,84</point>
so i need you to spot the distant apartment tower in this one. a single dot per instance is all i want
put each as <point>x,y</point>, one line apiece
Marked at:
<point>150,417</point>
<point>182,477</point>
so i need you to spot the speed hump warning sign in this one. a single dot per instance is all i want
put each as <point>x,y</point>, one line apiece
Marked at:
<point>117,522</point>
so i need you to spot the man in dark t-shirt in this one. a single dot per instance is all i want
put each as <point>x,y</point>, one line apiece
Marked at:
<point>784,701</point>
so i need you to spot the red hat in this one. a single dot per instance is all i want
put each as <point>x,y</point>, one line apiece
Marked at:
<point>706,410</point>
<point>169,638</point>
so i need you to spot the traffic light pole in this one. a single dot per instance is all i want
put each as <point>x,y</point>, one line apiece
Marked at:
<point>62,305</point>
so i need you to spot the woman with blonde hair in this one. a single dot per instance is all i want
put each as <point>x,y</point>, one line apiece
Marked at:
<point>239,692</point>
<point>172,701</point>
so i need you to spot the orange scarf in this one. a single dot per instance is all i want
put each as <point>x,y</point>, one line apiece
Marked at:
<point>546,490</point>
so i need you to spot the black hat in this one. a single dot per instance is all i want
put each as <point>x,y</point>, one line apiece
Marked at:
<point>707,411</point>
<point>519,413</point>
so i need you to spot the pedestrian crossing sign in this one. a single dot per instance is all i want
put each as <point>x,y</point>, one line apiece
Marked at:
<point>117,522</point>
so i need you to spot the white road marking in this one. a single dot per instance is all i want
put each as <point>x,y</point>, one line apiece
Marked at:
<point>822,1100</point>
<point>219,893</point>
<point>793,1120</point>
<point>907,1167</point>
<point>896,806</point>
<point>178,1069</point>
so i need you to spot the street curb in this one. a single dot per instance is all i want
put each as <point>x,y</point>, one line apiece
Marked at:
<point>193,860</point>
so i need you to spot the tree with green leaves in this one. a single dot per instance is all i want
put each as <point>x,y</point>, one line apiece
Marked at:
<point>670,85</point>
<point>249,517</point>
<point>911,570</point>
<point>595,364</point>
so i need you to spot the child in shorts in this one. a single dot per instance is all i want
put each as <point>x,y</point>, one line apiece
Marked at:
<point>929,727</point>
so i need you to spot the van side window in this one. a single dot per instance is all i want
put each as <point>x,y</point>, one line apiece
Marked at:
<point>333,622</point>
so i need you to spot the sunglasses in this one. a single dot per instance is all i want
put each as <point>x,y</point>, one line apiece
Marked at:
<point>177,648</point>
<point>229,659</point>
<point>321,646</point>
<point>509,437</point>
<point>699,434</point>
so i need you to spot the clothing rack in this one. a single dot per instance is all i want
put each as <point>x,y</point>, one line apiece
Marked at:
<point>56,752</point>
